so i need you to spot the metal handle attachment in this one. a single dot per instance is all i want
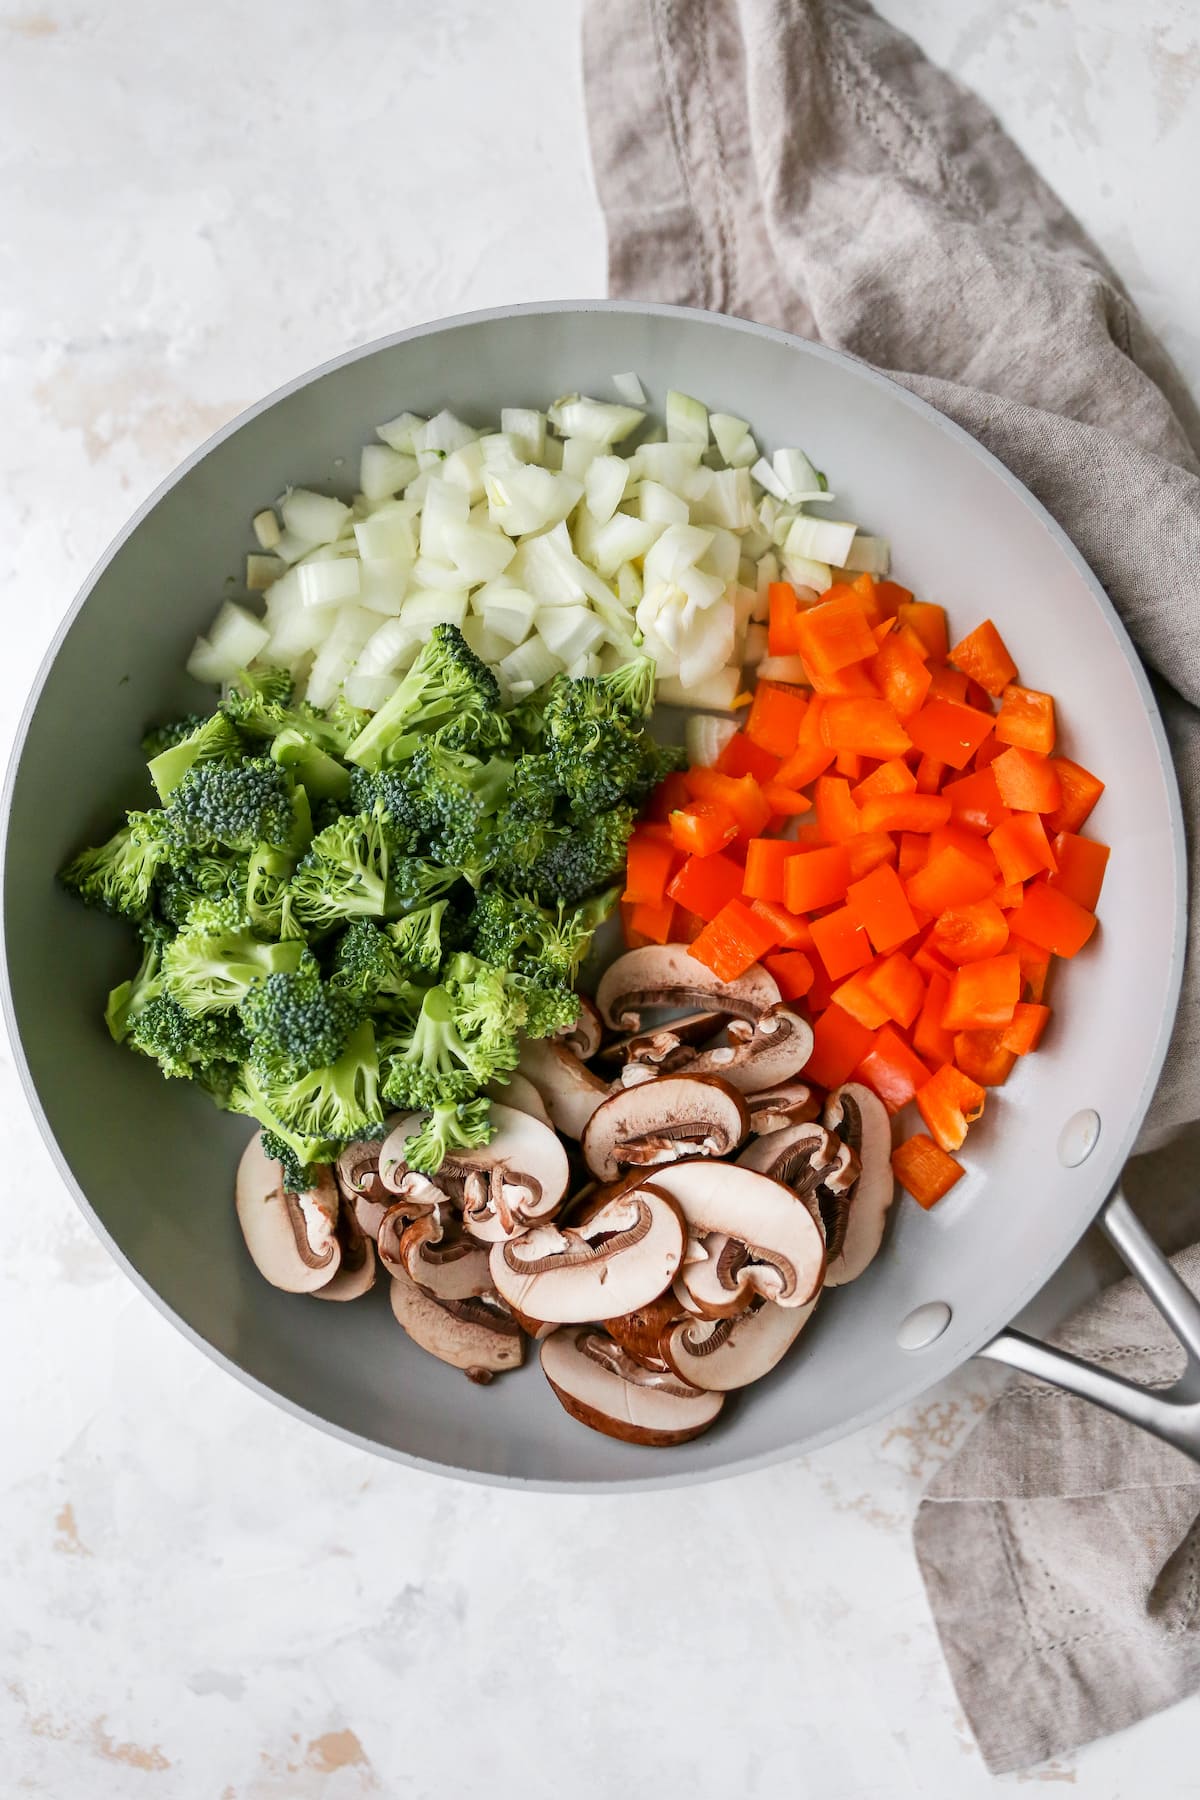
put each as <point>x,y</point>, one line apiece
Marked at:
<point>1173,1413</point>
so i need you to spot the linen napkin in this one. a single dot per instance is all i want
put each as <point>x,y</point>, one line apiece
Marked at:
<point>799,162</point>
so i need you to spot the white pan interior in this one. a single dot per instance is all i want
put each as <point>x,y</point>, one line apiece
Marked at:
<point>152,1164</point>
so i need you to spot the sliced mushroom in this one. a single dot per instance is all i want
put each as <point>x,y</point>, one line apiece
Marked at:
<point>714,1279</point>
<point>861,1120</point>
<point>356,1271</point>
<point>601,1386</point>
<point>639,1330</point>
<point>584,1036</point>
<point>476,1335</point>
<point>785,1243</point>
<point>437,1254</point>
<point>662,1121</point>
<point>519,1092</point>
<point>621,1255</point>
<point>774,1050</point>
<point>504,1186</point>
<point>666,975</point>
<point>291,1237</point>
<point>670,1046</point>
<point>792,1103</point>
<point>571,1092</point>
<point>358,1178</point>
<point>722,1354</point>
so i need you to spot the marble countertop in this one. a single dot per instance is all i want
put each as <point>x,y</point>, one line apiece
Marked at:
<point>200,1598</point>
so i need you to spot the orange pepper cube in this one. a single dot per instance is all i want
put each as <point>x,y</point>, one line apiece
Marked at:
<point>834,633</point>
<point>983,657</point>
<point>706,883</point>
<point>926,1170</point>
<point>733,941</point>
<point>1026,719</point>
<point>1052,919</point>
<point>878,902</point>
<point>1080,792</point>
<point>949,730</point>
<point>983,994</point>
<point>766,867</point>
<point>775,717</point>
<point>929,624</point>
<point>1029,1021</point>
<point>898,986</point>
<point>793,972</point>
<point>839,1043</point>
<point>816,878</point>
<point>1081,866</point>
<point>949,1103</point>
<point>1021,847</point>
<point>965,934</point>
<point>892,1069</point>
<point>1027,781</point>
<point>702,827</point>
<point>648,864</point>
<point>841,941</point>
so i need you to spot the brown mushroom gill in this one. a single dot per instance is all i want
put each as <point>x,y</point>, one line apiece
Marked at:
<point>621,1255</point>
<point>667,976</point>
<point>860,1119</point>
<point>663,1121</point>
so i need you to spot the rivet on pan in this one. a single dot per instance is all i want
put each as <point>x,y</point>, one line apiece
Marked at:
<point>1078,1138</point>
<point>923,1325</point>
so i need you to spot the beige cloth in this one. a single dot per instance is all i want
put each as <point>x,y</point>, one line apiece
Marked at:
<point>802,164</point>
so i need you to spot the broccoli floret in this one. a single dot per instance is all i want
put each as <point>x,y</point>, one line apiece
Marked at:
<point>446,682</point>
<point>367,967</point>
<point>317,1112</point>
<point>296,1022</point>
<point>186,1044</point>
<point>548,945</point>
<point>298,1177</point>
<point>430,1060</point>
<point>593,733</point>
<point>213,740</point>
<point>324,778</point>
<point>213,963</point>
<point>454,798</point>
<point>533,790</point>
<point>574,861</point>
<point>417,939</point>
<point>341,724</point>
<point>450,1126</point>
<point>415,882</point>
<point>268,895</point>
<point>130,997</point>
<point>239,805</point>
<point>352,871</point>
<point>164,737</point>
<point>489,1010</point>
<point>630,689</point>
<point>547,1008</point>
<point>118,876</point>
<point>261,701</point>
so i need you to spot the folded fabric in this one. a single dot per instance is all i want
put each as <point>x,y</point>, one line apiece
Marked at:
<point>806,166</point>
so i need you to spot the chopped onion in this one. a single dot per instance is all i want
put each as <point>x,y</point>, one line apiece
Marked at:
<point>670,464</point>
<point>371,691</point>
<point>680,547</point>
<point>569,631</point>
<point>443,433</point>
<point>729,434</point>
<point>397,434</point>
<point>527,498</point>
<point>325,583</point>
<point>478,553</point>
<point>801,571</point>
<point>531,662</point>
<point>236,637</point>
<point>727,501</point>
<point>783,668</point>
<point>717,692</point>
<point>464,468</point>
<point>266,529</point>
<point>314,518</point>
<point>389,533</point>
<point>262,572</point>
<point>822,540</point>
<point>506,611</point>
<point>604,486</point>
<point>797,476</point>
<point>756,644</point>
<point>687,419</point>
<point>383,584</point>
<point>428,607</point>
<point>659,506</point>
<point>869,555</point>
<point>528,430</point>
<point>383,472</point>
<point>444,505</point>
<point>576,416</point>
<point>629,389</point>
<point>764,474</point>
<point>384,648</point>
<point>705,736</point>
<point>488,645</point>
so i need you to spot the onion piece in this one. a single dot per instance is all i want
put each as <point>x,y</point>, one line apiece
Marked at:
<point>629,389</point>
<point>687,419</point>
<point>705,736</point>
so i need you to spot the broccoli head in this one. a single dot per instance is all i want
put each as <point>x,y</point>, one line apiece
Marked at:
<point>546,944</point>
<point>463,1125</point>
<point>367,967</point>
<point>593,733</point>
<point>298,1177</point>
<point>447,682</point>
<point>238,805</point>
<point>215,960</point>
<point>347,873</point>
<point>296,1021</point>
<point>574,861</point>
<point>417,939</point>
<point>431,1060</point>
<point>129,998</point>
<point>118,876</point>
<point>548,1009</point>
<point>314,1114</point>
<point>454,797</point>
<point>213,740</point>
<point>164,737</point>
<point>186,1044</point>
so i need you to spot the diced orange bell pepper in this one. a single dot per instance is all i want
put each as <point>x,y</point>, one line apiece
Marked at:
<point>791,932</point>
<point>741,794</point>
<point>950,731</point>
<point>654,921</point>
<point>869,727</point>
<point>927,957</point>
<point>837,814</point>
<point>930,1038</point>
<point>702,827</point>
<point>975,802</point>
<point>1021,847</point>
<point>834,633</point>
<point>687,926</point>
<point>904,812</point>
<point>793,972</point>
<point>1027,781</point>
<point>806,762</point>
<point>868,850</point>
<point>783,609</point>
<point>732,941</point>
<point>987,753</point>
<point>671,793</point>
<point>1080,791</point>
<point>899,672</point>
<point>648,866</point>
<point>1026,719</point>
<point>879,903</point>
<point>855,997</point>
<point>766,865</point>
<point>892,1069</point>
<point>1081,865</point>
<point>890,597</point>
<point>957,837</point>
<point>785,802</point>
<point>925,1170</point>
<point>741,756</point>
<point>966,934</point>
<point>891,777</point>
<point>983,994</point>
<point>854,679</point>
<point>951,878</point>
<point>706,883</point>
<point>1052,919</point>
<point>849,763</point>
<point>775,717</point>
<point>947,684</point>
<point>839,1043</point>
<point>898,985</point>
<point>1025,1032</point>
<point>950,1103</point>
<point>914,853</point>
<point>982,1056</point>
<point>816,878</point>
<point>841,942</point>
<point>930,775</point>
<point>929,623</point>
<point>1009,895</point>
<point>1035,966</point>
<point>983,657</point>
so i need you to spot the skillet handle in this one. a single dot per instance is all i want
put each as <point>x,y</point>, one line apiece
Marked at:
<point>1173,1413</point>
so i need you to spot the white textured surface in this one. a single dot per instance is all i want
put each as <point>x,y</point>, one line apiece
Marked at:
<point>199,1597</point>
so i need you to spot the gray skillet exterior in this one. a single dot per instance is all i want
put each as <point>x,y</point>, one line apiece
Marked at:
<point>151,1164</point>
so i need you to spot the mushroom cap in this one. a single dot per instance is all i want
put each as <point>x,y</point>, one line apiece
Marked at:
<point>519,1092</point>
<point>602,1387</point>
<point>861,1120</point>
<point>667,975</point>
<point>356,1272</point>
<point>467,1334</point>
<point>660,1121</point>
<point>791,1103</point>
<point>623,1254</point>
<point>584,1037</point>
<point>517,1179</point>
<point>785,1241</point>
<point>291,1237</point>
<point>437,1254</point>
<point>638,1331</point>
<point>570,1092</point>
<point>723,1354</point>
<point>776,1049</point>
<point>716,1278</point>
